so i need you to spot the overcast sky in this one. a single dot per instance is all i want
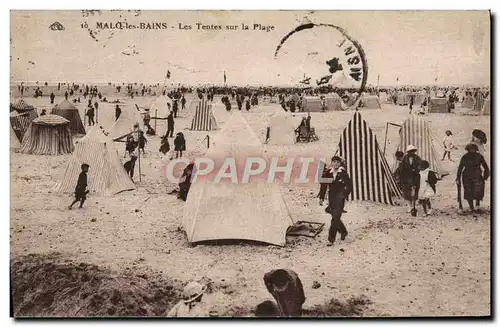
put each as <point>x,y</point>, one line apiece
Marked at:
<point>415,47</point>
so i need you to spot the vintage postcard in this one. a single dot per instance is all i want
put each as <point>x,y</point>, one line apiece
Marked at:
<point>250,163</point>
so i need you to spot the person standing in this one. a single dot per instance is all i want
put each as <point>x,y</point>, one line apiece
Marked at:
<point>175,108</point>
<point>427,188</point>
<point>340,188</point>
<point>170,125</point>
<point>130,167</point>
<point>239,102</point>
<point>324,186</point>
<point>81,187</point>
<point>118,112</point>
<point>179,145</point>
<point>142,142</point>
<point>52,97</point>
<point>409,175</point>
<point>448,144</point>
<point>183,102</point>
<point>247,105</point>
<point>471,176</point>
<point>90,115</point>
<point>66,95</point>
<point>164,146</point>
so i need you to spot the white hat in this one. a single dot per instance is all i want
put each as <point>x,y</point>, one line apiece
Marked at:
<point>192,291</point>
<point>410,148</point>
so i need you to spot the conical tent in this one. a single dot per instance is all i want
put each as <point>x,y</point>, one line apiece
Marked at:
<point>416,131</point>
<point>282,128</point>
<point>21,106</point>
<point>69,111</point>
<point>125,123</point>
<point>14,141</point>
<point>370,102</point>
<point>370,173</point>
<point>20,123</point>
<point>203,119</point>
<point>159,107</point>
<point>106,174</point>
<point>50,135</point>
<point>252,211</point>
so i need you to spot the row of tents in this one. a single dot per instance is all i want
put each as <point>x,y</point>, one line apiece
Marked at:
<point>257,211</point>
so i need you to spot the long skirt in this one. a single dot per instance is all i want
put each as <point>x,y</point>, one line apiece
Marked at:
<point>473,188</point>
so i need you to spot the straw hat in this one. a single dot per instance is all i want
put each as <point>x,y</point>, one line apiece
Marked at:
<point>192,291</point>
<point>411,148</point>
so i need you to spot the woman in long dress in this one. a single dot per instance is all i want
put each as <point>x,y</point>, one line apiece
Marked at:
<point>471,176</point>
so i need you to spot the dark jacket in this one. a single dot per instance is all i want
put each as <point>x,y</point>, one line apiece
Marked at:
<point>340,189</point>
<point>170,119</point>
<point>81,185</point>
<point>409,172</point>
<point>179,143</point>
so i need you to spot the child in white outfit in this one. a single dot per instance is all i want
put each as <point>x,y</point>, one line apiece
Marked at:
<point>427,188</point>
<point>448,145</point>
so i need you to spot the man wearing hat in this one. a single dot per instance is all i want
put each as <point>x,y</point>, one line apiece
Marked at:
<point>81,186</point>
<point>410,175</point>
<point>340,188</point>
<point>190,305</point>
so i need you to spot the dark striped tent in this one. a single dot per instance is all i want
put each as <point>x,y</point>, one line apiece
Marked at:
<point>69,111</point>
<point>370,173</point>
<point>48,135</point>
<point>21,107</point>
<point>204,119</point>
<point>20,123</point>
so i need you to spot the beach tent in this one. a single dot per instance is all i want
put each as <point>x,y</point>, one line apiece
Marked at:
<point>224,210</point>
<point>438,105</point>
<point>49,135</point>
<point>203,119</point>
<point>159,107</point>
<point>20,123</point>
<point>69,111</point>
<point>125,123</point>
<point>416,131</point>
<point>402,98</point>
<point>106,174</point>
<point>468,102</point>
<point>384,97</point>
<point>370,102</point>
<point>333,102</point>
<point>21,107</point>
<point>370,173</point>
<point>14,141</point>
<point>282,127</point>
<point>312,104</point>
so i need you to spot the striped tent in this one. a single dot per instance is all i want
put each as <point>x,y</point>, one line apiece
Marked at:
<point>69,111</point>
<point>48,135</point>
<point>204,119</point>
<point>106,173</point>
<point>370,173</point>
<point>22,107</point>
<point>20,123</point>
<point>14,141</point>
<point>416,131</point>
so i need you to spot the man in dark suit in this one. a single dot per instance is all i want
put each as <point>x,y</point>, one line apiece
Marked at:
<point>340,188</point>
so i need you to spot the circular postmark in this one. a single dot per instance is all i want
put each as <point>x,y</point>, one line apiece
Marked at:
<point>323,54</point>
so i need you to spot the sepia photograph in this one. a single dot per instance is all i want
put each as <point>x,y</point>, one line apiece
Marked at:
<point>250,163</point>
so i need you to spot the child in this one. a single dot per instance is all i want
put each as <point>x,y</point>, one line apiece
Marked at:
<point>142,142</point>
<point>427,187</point>
<point>179,145</point>
<point>81,186</point>
<point>165,146</point>
<point>129,146</point>
<point>448,145</point>
<point>130,167</point>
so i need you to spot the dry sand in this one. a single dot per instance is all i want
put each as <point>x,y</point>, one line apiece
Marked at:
<point>406,266</point>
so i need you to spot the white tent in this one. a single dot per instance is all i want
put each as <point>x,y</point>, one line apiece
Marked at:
<point>252,211</point>
<point>282,126</point>
<point>160,104</point>
<point>106,173</point>
<point>125,123</point>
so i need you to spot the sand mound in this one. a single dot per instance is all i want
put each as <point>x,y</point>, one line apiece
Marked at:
<point>51,286</point>
<point>354,306</point>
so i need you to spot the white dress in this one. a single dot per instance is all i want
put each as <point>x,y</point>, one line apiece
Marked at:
<point>425,191</point>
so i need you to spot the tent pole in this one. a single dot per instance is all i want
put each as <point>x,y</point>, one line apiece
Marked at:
<point>385,140</point>
<point>208,141</point>
<point>156,118</point>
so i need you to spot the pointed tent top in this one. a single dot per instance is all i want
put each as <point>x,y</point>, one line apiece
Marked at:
<point>95,134</point>
<point>65,105</point>
<point>236,132</point>
<point>21,105</point>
